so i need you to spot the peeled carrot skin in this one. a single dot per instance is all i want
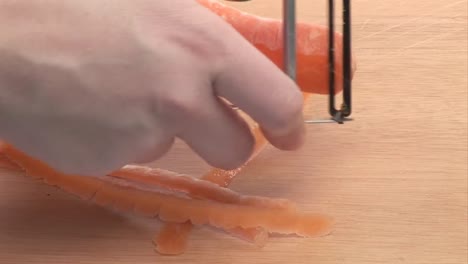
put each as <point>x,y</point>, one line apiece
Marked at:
<point>171,240</point>
<point>196,188</point>
<point>177,209</point>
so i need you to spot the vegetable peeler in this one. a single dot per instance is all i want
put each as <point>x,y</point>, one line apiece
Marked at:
<point>289,36</point>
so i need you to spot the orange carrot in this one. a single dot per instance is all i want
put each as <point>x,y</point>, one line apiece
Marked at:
<point>109,191</point>
<point>172,239</point>
<point>159,178</point>
<point>6,163</point>
<point>196,188</point>
<point>257,236</point>
<point>312,45</point>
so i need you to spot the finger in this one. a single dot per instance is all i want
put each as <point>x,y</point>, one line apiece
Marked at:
<point>257,86</point>
<point>155,150</point>
<point>217,134</point>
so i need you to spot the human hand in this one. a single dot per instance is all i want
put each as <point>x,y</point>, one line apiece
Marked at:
<point>89,86</point>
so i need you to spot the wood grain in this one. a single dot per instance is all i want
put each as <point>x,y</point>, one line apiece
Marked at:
<point>395,179</point>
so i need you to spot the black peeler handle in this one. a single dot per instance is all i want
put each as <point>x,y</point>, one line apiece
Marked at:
<point>340,115</point>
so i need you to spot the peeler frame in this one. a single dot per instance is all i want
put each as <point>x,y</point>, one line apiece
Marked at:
<point>289,37</point>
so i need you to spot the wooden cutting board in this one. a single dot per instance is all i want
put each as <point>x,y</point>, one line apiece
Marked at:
<point>395,179</point>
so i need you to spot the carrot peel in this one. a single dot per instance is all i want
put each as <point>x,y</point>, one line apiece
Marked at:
<point>178,209</point>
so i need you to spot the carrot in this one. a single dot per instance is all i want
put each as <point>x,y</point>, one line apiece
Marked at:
<point>160,178</point>
<point>258,236</point>
<point>108,191</point>
<point>312,45</point>
<point>196,188</point>
<point>6,163</point>
<point>172,239</point>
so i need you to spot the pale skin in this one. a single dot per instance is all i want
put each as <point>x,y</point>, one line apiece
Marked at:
<point>89,86</point>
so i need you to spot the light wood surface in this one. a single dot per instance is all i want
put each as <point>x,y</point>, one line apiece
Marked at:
<point>395,179</point>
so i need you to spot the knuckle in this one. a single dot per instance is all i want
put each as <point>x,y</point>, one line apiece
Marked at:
<point>179,105</point>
